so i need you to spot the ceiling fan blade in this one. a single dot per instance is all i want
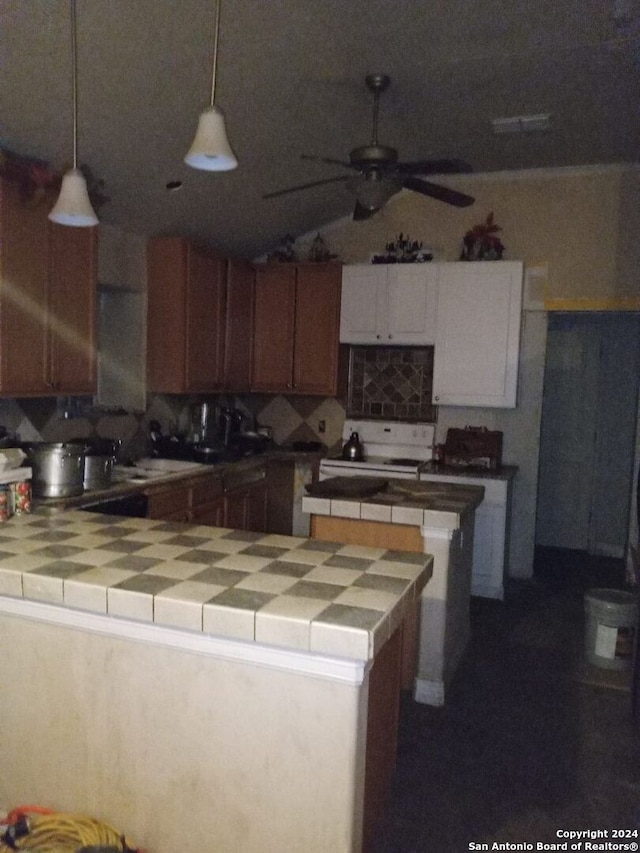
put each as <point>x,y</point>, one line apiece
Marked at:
<point>306,186</point>
<point>328,160</point>
<point>360,212</point>
<point>434,167</point>
<point>436,191</point>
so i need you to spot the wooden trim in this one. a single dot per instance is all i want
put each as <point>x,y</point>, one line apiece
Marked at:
<point>376,534</point>
<point>382,736</point>
<point>612,303</point>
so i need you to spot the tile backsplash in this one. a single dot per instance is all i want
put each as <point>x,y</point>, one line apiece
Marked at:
<point>393,383</point>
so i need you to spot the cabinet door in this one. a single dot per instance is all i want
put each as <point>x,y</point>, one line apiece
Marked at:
<point>210,513</point>
<point>73,308</point>
<point>166,318</point>
<point>363,307</point>
<point>205,309</point>
<point>315,361</point>
<point>239,326</point>
<point>274,317</point>
<point>477,333</point>
<point>256,508</point>
<point>172,503</point>
<point>411,301</point>
<point>24,276</point>
<point>235,509</point>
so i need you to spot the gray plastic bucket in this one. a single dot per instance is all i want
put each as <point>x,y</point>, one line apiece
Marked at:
<point>610,627</point>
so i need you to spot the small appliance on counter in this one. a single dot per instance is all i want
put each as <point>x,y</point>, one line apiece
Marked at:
<point>473,447</point>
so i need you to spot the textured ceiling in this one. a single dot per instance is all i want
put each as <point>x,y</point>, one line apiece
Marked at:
<point>291,81</point>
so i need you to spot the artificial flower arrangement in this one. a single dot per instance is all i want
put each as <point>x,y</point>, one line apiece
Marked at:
<point>403,251</point>
<point>481,243</point>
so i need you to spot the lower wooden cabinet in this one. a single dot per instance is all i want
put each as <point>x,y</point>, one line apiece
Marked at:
<point>199,501</point>
<point>246,500</point>
<point>235,499</point>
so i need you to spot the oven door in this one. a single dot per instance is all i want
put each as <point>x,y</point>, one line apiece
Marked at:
<point>371,468</point>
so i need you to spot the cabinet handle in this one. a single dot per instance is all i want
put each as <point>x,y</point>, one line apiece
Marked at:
<point>378,337</point>
<point>390,337</point>
<point>436,398</point>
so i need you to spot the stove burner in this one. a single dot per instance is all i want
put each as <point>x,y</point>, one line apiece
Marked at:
<point>411,462</point>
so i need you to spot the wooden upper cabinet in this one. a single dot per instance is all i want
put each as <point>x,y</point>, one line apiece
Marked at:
<point>73,308</point>
<point>315,364</point>
<point>238,326</point>
<point>185,316</point>
<point>273,330</point>
<point>48,300</point>
<point>205,309</point>
<point>296,324</point>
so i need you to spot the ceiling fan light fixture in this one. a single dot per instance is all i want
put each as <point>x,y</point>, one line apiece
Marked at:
<point>73,206</point>
<point>372,190</point>
<point>211,150</point>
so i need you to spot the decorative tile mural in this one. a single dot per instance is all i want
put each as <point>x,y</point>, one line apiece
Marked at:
<point>393,383</point>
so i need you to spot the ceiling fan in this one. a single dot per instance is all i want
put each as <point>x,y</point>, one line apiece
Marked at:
<point>380,174</point>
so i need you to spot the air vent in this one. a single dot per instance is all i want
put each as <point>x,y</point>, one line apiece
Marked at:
<point>522,124</point>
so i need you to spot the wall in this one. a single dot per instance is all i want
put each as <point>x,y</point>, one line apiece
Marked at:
<point>578,225</point>
<point>582,222</point>
<point>145,737</point>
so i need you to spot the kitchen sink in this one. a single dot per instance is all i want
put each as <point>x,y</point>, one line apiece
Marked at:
<point>150,468</point>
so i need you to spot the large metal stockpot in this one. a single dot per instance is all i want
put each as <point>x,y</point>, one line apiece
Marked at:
<point>58,468</point>
<point>98,463</point>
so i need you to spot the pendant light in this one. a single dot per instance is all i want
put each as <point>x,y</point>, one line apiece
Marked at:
<point>211,150</point>
<point>74,206</point>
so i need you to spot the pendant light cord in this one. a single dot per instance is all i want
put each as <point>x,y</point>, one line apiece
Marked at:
<point>216,34</point>
<point>74,77</point>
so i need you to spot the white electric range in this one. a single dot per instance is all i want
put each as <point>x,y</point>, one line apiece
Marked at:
<point>391,448</point>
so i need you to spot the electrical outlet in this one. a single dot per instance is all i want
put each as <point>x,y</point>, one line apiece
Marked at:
<point>322,426</point>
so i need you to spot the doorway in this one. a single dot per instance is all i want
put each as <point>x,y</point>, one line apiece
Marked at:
<point>589,408</point>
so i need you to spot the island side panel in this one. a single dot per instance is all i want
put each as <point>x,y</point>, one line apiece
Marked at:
<point>181,751</point>
<point>375,534</point>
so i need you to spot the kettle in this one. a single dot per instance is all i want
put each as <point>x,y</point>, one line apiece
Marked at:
<point>353,449</point>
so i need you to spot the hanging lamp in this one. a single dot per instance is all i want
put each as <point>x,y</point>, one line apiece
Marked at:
<point>74,206</point>
<point>211,150</point>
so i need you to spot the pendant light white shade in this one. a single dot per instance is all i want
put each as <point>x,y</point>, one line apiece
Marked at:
<point>73,206</point>
<point>211,150</point>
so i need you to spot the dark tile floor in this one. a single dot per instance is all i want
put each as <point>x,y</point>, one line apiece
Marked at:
<point>532,739</point>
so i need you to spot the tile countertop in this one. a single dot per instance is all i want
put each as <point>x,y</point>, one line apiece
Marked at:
<point>295,593</point>
<point>505,472</point>
<point>120,488</point>
<point>412,502</point>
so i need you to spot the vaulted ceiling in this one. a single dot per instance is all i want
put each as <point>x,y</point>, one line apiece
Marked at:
<point>291,81</point>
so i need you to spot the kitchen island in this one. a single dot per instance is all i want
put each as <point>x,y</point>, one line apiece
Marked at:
<point>422,517</point>
<point>201,688</point>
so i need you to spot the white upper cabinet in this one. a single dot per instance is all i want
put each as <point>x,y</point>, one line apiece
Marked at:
<point>393,304</point>
<point>477,333</point>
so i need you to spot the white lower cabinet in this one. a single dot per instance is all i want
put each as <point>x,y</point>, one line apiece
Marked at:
<point>491,533</point>
<point>392,304</point>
